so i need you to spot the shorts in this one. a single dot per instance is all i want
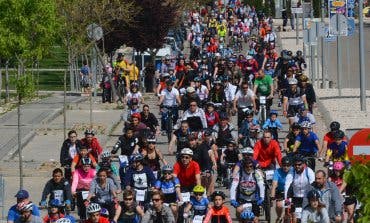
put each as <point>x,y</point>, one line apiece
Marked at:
<point>350,200</point>
<point>293,110</point>
<point>255,207</point>
<point>296,203</point>
<point>279,195</point>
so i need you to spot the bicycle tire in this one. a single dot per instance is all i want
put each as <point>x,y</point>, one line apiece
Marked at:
<point>267,205</point>
<point>169,128</point>
<point>263,115</point>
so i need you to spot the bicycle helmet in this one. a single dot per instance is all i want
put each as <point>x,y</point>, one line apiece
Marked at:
<point>93,207</point>
<point>136,115</point>
<point>295,125</point>
<point>186,151</point>
<point>334,126</point>
<point>89,132</point>
<point>197,79</point>
<point>55,203</point>
<point>167,168</point>
<point>231,141</point>
<point>248,57</point>
<point>299,53</point>
<point>293,81</point>
<point>86,161</point>
<point>273,112</point>
<point>247,150</point>
<point>248,112</point>
<point>338,165</point>
<point>25,207</point>
<point>339,134</point>
<point>303,78</point>
<point>134,101</point>
<point>151,139</point>
<point>217,193</point>
<point>169,82</point>
<point>217,81</point>
<point>104,212</point>
<point>286,160</point>
<point>105,154</point>
<point>63,220</point>
<point>134,84</point>
<point>199,189</point>
<point>224,116</point>
<point>306,124</point>
<point>247,215</point>
<point>136,157</point>
<point>207,132</point>
<point>167,57</point>
<point>210,104</point>
<point>299,158</point>
<point>313,194</point>
<point>165,75</point>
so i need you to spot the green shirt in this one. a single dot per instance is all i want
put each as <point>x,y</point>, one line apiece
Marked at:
<point>263,85</point>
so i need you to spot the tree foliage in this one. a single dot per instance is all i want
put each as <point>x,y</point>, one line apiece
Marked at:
<point>359,179</point>
<point>27,28</point>
<point>25,87</point>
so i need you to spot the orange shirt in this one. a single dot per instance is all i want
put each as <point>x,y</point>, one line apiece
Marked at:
<point>218,215</point>
<point>77,160</point>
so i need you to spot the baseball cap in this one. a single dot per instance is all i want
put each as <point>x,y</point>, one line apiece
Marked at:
<point>22,194</point>
<point>190,89</point>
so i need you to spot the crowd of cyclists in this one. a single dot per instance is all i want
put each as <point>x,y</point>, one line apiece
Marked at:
<point>198,95</point>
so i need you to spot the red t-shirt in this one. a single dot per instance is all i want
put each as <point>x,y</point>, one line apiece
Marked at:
<point>186,175</point>
<point>265,155</point>
<point>329,138</point>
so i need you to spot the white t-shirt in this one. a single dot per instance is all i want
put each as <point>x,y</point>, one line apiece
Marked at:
<point>72,150</point>
<point>201,92</point>
<point>170,96</point>
<point>244,100</point>
<point>230,91</point>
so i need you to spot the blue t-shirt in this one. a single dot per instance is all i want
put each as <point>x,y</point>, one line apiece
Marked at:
<point>308,145</point>
<point>199,207</point>
<point>279,177</point>
<point>13,213</point>
<point>338,151</point>
<point>168,187</point>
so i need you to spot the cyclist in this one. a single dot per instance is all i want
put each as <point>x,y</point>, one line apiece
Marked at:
<point>128,210</point>
<point>338,150</point>
<point>223,131</point>
<point>247,187</point>
<point>299,59</point>
<point>58,188</point>
<point>55,212</point>
<point>139,128</point>
<point>307,144</point>
<point>180,137</point>
<point>267,151</point>
<point>190,95</point>
<point>14,212</point>
<point>230,155</point>
<point>170,186</point>
<point>69,150</point>
<point>244,98</point>
<point>212,115</point>
<point>153,157</point>
<point>217,94</point>
<point>304,115</point>
<point>218,212</point>
<point>198,203</point>
<point>315,211</point>
<point>249,129</point>
<point>187,171</point>
<point>294,99</point>
<point>297,184</point>
<point>329,137</point>
<point>82,154</point>
<point>128,143</point>
<point>289,140</point>
<point>273,124</point>
<point>92,143</point>
<point>263,86</point>
<point>26,214</point>
<point>134,93</point>
<point>195,117</point>
<point>138,176</point>
<point>158,212</point>
<point>278,183</point>
<point>107,164</point>
<point>93,211</point>
<point>330,195</point>
<point>149,120</point>
<point>201,90</point>
<point>170,97</point>
<point>103,192</point>
<point>82,179</point>
<point>309,91</point>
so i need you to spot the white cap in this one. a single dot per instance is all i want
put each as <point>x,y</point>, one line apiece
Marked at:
<point>190,90</point>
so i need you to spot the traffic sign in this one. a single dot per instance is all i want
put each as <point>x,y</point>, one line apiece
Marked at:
<point>296,10</point>
<point>328,38</point>
<point>338,25</point>
<point>351,26</point>
<point>359,146</point>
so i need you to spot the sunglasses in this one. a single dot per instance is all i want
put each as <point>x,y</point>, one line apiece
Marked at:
<point>198,194</point>
<point>128,198</point>
<point>167,173</point>
<point>185,157</point>
<point>298,164</point>
<point>156,199</point>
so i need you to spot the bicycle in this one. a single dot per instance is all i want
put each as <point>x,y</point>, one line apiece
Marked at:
<point>168,117</point>
<point>262,111</point>
<point>268,175</point>
<point>229,175</point>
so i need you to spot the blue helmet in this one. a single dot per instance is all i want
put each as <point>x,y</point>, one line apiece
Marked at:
<point>136,157</point>
<point>55,203</point>
<point>247,215</point>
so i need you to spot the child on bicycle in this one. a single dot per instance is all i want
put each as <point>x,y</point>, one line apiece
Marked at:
<point>106,163</point>
<point>198,203</point>
<point>338,150</point>
<point>273,124</point>
<point>218,212</point>
<point>248,129</point>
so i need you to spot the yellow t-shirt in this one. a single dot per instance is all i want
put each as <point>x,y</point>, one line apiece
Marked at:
<point>134,72</point>
<point>123,65</point>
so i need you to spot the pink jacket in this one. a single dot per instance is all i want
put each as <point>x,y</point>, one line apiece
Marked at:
<point>82,180</point>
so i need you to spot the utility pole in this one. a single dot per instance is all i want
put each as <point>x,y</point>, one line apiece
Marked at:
<point>362,58</point>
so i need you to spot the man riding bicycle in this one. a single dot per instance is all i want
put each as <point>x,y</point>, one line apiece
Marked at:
<point>267,151</point>
<point>170,97</point>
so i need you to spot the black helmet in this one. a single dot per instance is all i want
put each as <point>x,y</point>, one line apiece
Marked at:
<point>299,53</point>
<point>286,160</point>
<point>295,125</point>
<point>89,132</point>
<point>86,161</point>
<point>273,112</point>
<point>313,194</point>
<point>248,112</point>
<point>224,116</point>
<point>334,126</point>
<point>339,134</point>
<point>299,158</point>
<point>169,82</point>
<point>217,193</point>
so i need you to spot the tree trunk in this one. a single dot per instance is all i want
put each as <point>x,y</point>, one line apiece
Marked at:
<point>20,142</point>
<point>7,81</point>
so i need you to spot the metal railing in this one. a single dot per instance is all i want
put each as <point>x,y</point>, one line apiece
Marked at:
<point>2,198</point>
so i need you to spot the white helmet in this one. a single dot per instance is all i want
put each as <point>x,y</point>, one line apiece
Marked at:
<point>246,150</point>
<point>93,207</point>
<point>186,151</point>
<point>63,220</point>
<point>105,154</point>
<point>26,207</point>
<point>293,81</point>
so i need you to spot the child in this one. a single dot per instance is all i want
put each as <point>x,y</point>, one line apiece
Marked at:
<point>212,116</point>
<point>83,153</point>
<point>198,202</point>
<point>248,129</point>
<point>218,212</point>
<point>108,165</point>
<point>273,124</point>
<point>338,150</point>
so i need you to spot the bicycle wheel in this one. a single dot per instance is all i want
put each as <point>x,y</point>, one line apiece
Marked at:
<point>263,115</point>
<point>267,205</point>
<point>169,127</point>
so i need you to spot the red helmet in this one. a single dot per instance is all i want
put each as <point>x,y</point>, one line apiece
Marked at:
<point>136,115</point>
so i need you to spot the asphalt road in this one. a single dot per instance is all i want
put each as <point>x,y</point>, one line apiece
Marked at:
<point>350,60</point>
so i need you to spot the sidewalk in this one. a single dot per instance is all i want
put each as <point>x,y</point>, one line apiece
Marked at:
<point>345,109</point>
